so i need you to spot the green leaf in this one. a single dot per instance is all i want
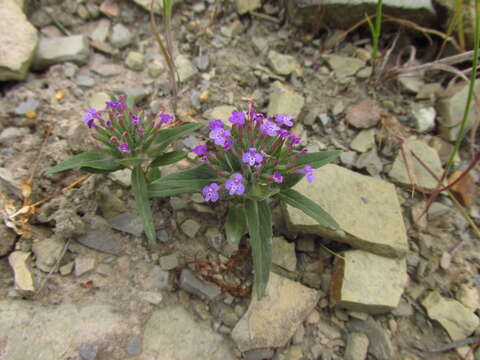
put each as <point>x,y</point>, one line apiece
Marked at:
<point>290,180</point>
<point>259,223</point>
<point>309,207</point>
<point>153,174</point>
<point>235,224</point>
<point>130,102</point>
<point>140,193</point>
<point>93,159</point>
<point>169,158</point>
<point>187,181</point>
<point>167,136</point>
<point>318,159</point>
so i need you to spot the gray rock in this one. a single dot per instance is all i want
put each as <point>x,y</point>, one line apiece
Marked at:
<point>88,351</point>
<point>283,253</point>
<point>348,158</point>
<point>83,265</point>
<point>368,283</point>
<point>99,236</point>
<point>23,277</point>
<point>158,279</point>
<point>283,100</point>
<point>245,6</point>
<point>468,296</point>
<point>107,70</point>
<point>282,64</point>
<point>100,33</point>
<point>146,4</point>
<point>458,320</point>
<point>135,61</point>
<point>450,111</point>
<point>97,100</point>
<point>169,262</point>
<point>364,141</point>
<point>192,285</point>
<point>152,297</point>
<point>344,66</point>
<point>85,81</point>
<point>260,44</point>
<point>424,119</point>
<point>121,36</point>
<point>172,333</point>
<point>357,346</point>
<point>214,237</point>
<point>370,161</point>
<point>156,68</point>
<point>19,41</point>
<point>185,68</point>
<point>7,240</point>
<point>348,196</point>
<point>380,345</point>
<point>202,62</point>
<point>419,174</point>
<point>258,354</point>
<point>163,236</point>
<point>134,346</point>
<point>47,252</point>
<point>272,321</point>
<point>29,105</point>
<point>190,228</point>
<point>138,94</point>
<point>128,223</point>
<point>66,269</point>
<point>29,327</point>
<point>57,50</point>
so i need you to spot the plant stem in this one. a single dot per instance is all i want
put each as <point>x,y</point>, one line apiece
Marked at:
<point>377,30</point>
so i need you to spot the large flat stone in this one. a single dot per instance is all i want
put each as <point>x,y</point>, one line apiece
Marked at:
<point>173,334</point>
<point>57,50</point>
<point>457,319</point>
<point>272,321</point>
<point>18,39</point>
<point>32,331</point>
<point>366,209</point>
<point>368,283</point>
<point>419,175</point>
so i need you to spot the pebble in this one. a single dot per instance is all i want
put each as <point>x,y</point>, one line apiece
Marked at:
<point>97,100</point>
<point>185,68</point>
<point>424,119</point>
<point>88,351</point>
<point>156,68</point>
<point>192,285</point>
<point>258,354</point>
<point>245,6</point>
<point>107,70</point>
<point>158,279</point>
<point>70,70</point>
<point>85,81</point>
<point>66,269</point>
<point>121,36</point>
<point>338,108</point>
<point>134,346</point>
<point>380,345</point>
<point>134,61</point>
<point>215,237</point>
<point>190,228</point>
<point>202,62</point>
<point>357,346</point>
<point>313,318</point>
<point>128,223</point>
<point>163,236</point>
<point>27,106</point>
<point>101,31</point>
<point>169,262</point>
<point>8,239</point>
<point>83,264</point>
<point>47,252</point>
<point>282,64</point>
<point>23,277</point>
<point>152,297</point>
<point>57,50</point>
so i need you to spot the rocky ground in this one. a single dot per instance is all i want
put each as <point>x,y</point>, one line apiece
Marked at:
<point>84,286</point>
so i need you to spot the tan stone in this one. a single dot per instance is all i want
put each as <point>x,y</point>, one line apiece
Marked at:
<point>283,100</point>
<point>367,210</point>
<point>24,281</point>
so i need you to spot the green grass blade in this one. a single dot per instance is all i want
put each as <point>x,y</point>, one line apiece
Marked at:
<point>140,193</point>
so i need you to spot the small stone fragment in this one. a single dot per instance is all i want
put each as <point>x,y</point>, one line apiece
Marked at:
<point>158,279</point>
<point>121,36</point>
<point>283,253</point>
<point>152,297</point>
<point>245,6</point>
<point>85,81</point>
<point>464,189</point>
<point>24,282</point>
<point>169,262</point>
<point>99,235</point>
<point>357,346</point>
<point>192,285</point>
<point>134,346</point>
<point>282,64</point>
<point>97,101</point>
<point>47,252</point>
<point>418,173</point>
<point>368,283</point>
<point>83,264</point>
<point>66,269</point>
<point>88,351</point>
<point>185,68</point>
<point>344,66</point>
<point>7,240</point>
<point>100,33</point>
<point>380,345</point>
<point>128,223</point>
<point>57,50</point>
<point>27,106</point>
<point>156,68</point>
<point>468,296</point>
<point>457,319</point>
<point>364,115</point>
<point>424,119</point>
<point>283,100</point>
<point>134,61</point>
<point>107,70</point>
<point>190,228</point>
<point>364,141</point>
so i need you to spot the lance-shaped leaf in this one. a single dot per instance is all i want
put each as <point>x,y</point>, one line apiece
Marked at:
<point>309,207</point>
<point>94,159</point>
<point>235,224</point>
<point>259,224</point>
<point>187,181</point>
<point>318,159</point>
<point>140,194</point>
<point>169,158</point>
<point>167,136</point>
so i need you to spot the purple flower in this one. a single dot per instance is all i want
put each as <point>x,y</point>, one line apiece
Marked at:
<point>135,120</point>
<point>90,117</point>
<point>251,157</point>
<point>234,185</point>
<point>258,117</point>
<point>216,124</point>
<point>269,128</point>
<point>284,119</point>
<point>124,148</point>
<point>228,144</point>
<point>238,117</point>
<point>277,177</point>
<point>165,118</point>
<point>210,192</point>
<point>114,104</point>
<point>295,140</point>
<point>308,171</point>
<point>220,136</point>
<point>200,149</point>
<point>284,133</point>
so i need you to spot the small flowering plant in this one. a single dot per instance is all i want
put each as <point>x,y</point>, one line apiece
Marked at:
<point>247,163</point>
<point>126,137</point>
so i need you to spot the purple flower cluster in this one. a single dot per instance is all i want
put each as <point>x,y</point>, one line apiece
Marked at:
<point>124,130</point>
<point>254,154</point>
